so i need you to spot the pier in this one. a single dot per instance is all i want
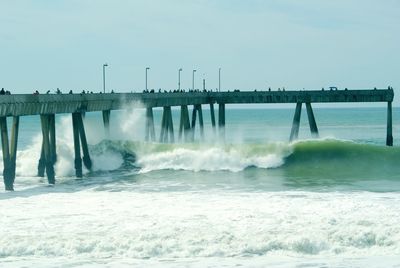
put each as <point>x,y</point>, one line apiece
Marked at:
<point>48,105</point>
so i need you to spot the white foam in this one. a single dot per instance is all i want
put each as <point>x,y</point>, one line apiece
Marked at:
<point>95,225</point>
<point>209,158</point>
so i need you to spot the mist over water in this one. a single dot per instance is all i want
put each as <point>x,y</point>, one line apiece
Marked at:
<point>253,200</point>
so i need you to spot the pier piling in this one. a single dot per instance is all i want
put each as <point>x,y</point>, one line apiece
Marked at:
<point>48,156</point>
<point>150,132</point>
<point>77,146</point>
<point>311,121</point>
<point>9,158</point>
<point>106,122</point>
<point>294,134</point>
<point>212,114</point>
<point>389,129</point>
<point>221,121</point>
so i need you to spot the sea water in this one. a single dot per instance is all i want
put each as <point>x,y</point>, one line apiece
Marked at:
<point>254,200</point>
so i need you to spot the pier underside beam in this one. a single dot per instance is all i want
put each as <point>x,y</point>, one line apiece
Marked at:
<point>9,153</point>
<point>106,122</point>
<point>311,121</point>
<point>45,121</point>
<point>389,130</point>
<point>294,134</point>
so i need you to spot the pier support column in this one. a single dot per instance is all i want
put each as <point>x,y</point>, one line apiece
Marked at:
<point>184,123</point>
<point>212,113</point>
<point>14,145</point>
<point>77,146</point>
<point>193,128</point>
<point>150,132</point>
<point>163,125</point>
<point>389,130</point>
<point>311,121</point>
<point>106,122</point>
<point>201,122</point>
<point>47,148</point>
<point>9,158</point>
<point>294,134</point>
<point>49,121</point>
<point>167,126</point>
<point>221,120</point>
<point>170,125</point>
<point>86,156</point>
<point>52,133</point>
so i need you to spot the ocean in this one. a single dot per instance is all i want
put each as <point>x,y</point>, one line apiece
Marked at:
<point>253,200</point>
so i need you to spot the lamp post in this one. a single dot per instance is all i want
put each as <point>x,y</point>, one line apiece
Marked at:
<point>179,78</point>
<point>147,68</point>
<point>104,77</point>
<point>193,79</point>
<point>219,80</point>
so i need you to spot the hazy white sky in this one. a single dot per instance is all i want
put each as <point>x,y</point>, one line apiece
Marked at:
<point>45,44</point>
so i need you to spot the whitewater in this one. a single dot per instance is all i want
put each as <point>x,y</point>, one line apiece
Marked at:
<point>254,201</point>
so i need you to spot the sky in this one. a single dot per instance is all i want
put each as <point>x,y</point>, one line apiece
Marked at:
<point>310,44</point>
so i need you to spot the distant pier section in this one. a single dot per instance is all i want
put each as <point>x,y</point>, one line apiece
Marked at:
<point>48,105</point>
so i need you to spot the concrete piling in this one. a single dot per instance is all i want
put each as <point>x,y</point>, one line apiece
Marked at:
<point>9,158</point>
<point>184,124</point>
<point>49,160</point>
<point>14,145</point>
<point>106,122</point>
<point>221,120</point>
<point>150,132</point>
<point>212,113</point>
<point>294,134</point>
<point>311,121</point>
<point>389,129</point>
<point>86,156</point>
<point>200,112</point>
<point>167,126</point>
<point>170,126</point>
<point>77,146</point>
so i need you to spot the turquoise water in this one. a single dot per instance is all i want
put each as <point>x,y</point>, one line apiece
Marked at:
<point>253,200</point>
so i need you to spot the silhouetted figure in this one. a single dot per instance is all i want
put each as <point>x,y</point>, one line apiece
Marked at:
<point>48,92</point>
<point>2,92</point>
<point>36,92</point>
<point>8,92</point>
<point>70,92</point>
<point>112,91</point>
<point>58,91</point>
